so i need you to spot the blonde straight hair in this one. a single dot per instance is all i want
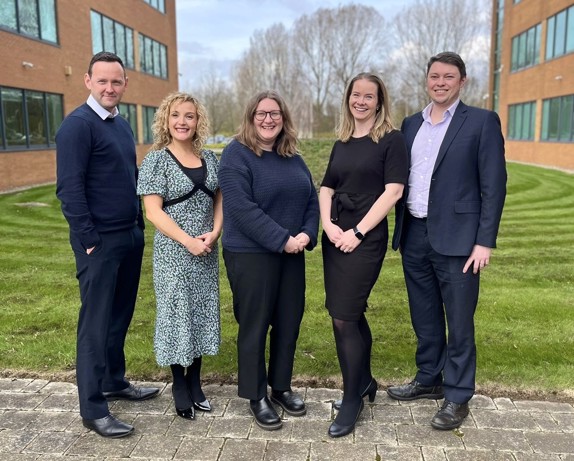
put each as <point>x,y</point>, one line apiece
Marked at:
<point>383,123</point>
<point>286,142</point>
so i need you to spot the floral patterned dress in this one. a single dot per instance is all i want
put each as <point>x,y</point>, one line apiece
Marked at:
<point>186,286</point>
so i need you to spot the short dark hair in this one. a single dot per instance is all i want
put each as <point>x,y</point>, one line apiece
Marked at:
<point>104,56</point>
<point>448,57</point>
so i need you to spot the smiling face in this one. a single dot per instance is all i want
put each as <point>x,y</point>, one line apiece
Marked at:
<point>267,129</point>
<point>107,83</point>
<point>444,84</point>
<point>182,121</point>
<point>363,100</point>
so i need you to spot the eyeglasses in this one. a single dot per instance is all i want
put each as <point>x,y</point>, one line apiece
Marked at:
<point>262,114</point>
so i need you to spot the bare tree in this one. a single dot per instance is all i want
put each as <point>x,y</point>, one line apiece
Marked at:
<point>420,32</point>
<point>216,95</point>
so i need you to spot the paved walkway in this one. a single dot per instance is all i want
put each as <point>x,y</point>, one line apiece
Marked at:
<point>39,420</point>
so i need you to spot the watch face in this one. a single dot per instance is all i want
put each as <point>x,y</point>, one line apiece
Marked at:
<point>358,234</point>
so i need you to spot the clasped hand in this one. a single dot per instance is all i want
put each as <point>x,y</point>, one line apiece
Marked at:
<point>297,243</point>
<point>343,240</point>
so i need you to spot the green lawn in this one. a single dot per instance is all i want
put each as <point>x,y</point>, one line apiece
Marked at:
<point>524,322</point>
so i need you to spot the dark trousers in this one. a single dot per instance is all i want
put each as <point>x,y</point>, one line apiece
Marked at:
<point>268,291</point>
<point>109,279</point>
<point>440,295</point>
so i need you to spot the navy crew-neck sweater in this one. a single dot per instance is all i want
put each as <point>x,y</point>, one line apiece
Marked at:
<point>265,200</point>
<point>96,174</point>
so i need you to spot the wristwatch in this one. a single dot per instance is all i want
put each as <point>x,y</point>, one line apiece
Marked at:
<point>358,233</point>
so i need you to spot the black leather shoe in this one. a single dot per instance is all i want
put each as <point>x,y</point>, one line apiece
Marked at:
<point>450,416</point>
<point>182,399</point>
<point>108,426</point>
<point>202,406</point>
<point>338,430</point>
<point>289,401</point>
<point>370,390</point>
<point>132,393</point>
<point>265,415</point>
<point>415,390</point>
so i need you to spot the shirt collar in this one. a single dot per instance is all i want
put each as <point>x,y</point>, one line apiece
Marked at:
<point>427,110</point>
<point>98,109</point>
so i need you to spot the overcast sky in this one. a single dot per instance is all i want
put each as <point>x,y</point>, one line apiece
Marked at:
<point>217,32</point>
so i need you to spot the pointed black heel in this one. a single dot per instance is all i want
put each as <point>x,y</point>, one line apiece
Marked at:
<point>185,413</point>
<point>371,391</point>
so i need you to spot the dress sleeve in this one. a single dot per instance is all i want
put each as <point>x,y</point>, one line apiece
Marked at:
<point>328,180</point>
<point>396,169</point>
<point>152,178</point>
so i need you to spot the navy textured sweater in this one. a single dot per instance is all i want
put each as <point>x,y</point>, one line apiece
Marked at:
<point>96,174</point>
<point>265,200</point>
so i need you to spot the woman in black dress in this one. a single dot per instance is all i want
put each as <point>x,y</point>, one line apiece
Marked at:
<point>365,177</point>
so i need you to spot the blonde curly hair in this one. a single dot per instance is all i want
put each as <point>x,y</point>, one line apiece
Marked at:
<point>160,125</point>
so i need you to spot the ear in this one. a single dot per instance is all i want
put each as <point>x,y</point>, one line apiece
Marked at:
<point>87,81</point>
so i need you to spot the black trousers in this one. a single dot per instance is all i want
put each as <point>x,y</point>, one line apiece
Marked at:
<point>268,291</point>
<point>441,297</point>
<point>109,279</point>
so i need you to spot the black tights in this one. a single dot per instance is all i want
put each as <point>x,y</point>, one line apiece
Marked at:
<point>354,342</point>
<point>187,384</point>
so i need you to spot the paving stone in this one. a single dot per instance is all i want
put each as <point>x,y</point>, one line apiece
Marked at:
<point>377,433</point>
<point>16,419</point>
<point>14,441</point>
<point>60,402</point>
<point>163,404</point>
<point>427,436</point>
<point>315,410</point>
<point>20,401</point>
<point>504,403</point>
<point>66,458</point>
<point>36,385</point>
<point>309,431</point>
<point>492,439</point>
<point>235,450</point>
<point>218,408</point>
<point>387,414</point>
<point>546,422</point>
<point>565,421</point>
<point>13,384</point>
<point>476,455</point>
<point>224,391</point>
<point>536,457</point>
<point>237,428</point>
<point>287,451</point>
<point>156,446</point>
<point>52,421</point>
<point>52,442</point>
<point>238,408</point>
<point>433,454</point>
<point>386,453</point>
<point>482,401</point>
<point>196,428</point>
<point>347,452</point>
<point>554,407</point>
<point>284,433</point>
<point>504,420</point>
<point>24,457</point>
<point>91,444</point>
<point>200,449</point>
<point>57,388</point>
<point>324,395</point>
<point>551,442</point>
<point>153,424</point>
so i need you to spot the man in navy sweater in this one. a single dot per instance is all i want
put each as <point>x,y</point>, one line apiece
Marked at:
<point>96,184</point>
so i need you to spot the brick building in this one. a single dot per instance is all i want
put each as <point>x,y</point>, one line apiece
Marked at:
<point>45,49</point>
<point>532,79</point>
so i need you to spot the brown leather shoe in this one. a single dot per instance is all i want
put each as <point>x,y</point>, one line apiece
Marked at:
<point>450,416</point>
<point>415,390</point>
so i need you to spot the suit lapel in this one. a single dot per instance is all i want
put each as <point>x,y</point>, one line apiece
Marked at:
<point>455,124</point>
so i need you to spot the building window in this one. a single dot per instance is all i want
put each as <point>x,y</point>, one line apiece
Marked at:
<point>29,118</point>
<point>153,57</point>
<point>557,119</point>
<point>148,113</point>
<point>560,34</point>
<point>526,48</point>
<point>130,113</point>
<point>34,18</point>
<point>109,35</point>
<point>157,4</point>
<point>516,1</point>
<point>521,119</point>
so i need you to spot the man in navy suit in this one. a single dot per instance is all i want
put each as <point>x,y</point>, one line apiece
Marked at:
<point>446,228</point>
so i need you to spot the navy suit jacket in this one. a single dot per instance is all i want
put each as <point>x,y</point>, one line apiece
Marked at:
<point>468,184</point>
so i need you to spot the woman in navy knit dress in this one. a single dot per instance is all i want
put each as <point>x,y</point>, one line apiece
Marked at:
<point>365,177</point>
<point>270,216</point>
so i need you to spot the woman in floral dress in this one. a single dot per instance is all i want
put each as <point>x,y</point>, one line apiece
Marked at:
<point>178,181</point>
